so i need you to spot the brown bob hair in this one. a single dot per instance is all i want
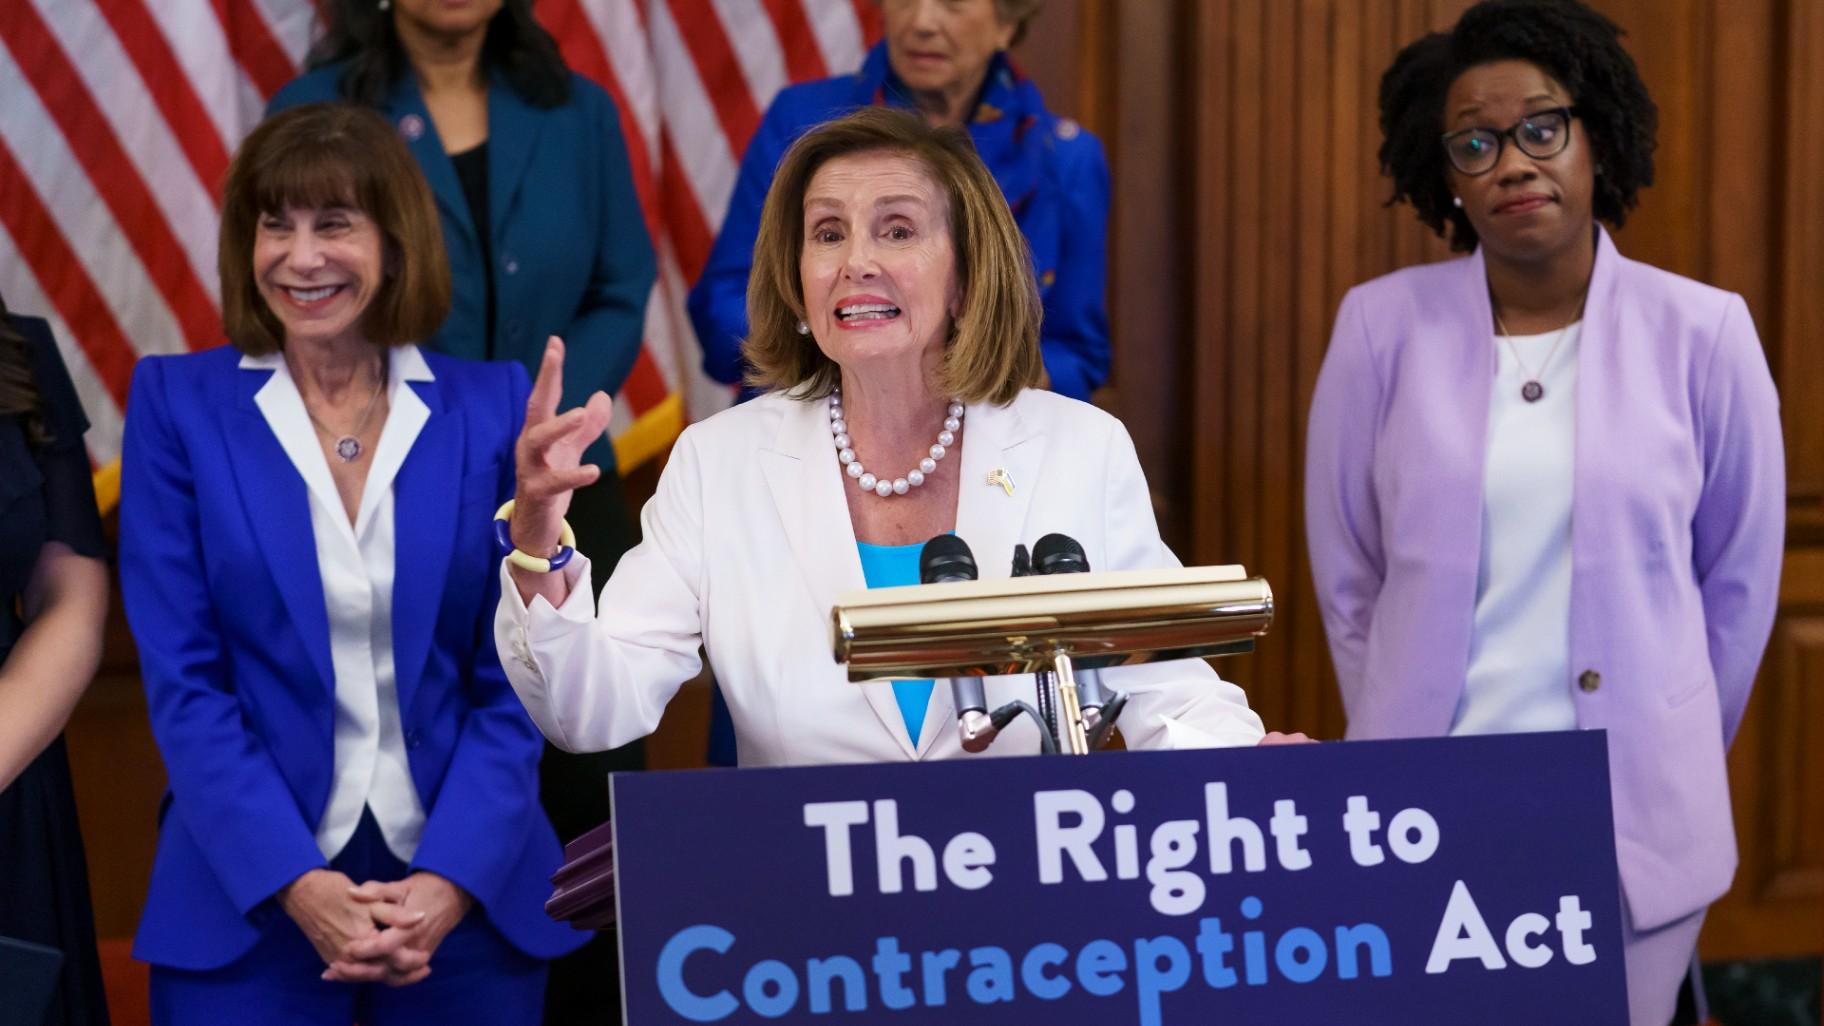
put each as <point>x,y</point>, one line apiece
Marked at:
<point>334,155</point>
<point>993,349</point>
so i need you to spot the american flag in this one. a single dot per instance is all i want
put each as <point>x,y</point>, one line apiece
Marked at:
<point>117,119</point>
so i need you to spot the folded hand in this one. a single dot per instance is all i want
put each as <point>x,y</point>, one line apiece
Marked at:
<point>323,903</point>
<point>417,913</point>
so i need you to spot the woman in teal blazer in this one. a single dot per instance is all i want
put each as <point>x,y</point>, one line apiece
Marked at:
<point>530,172</point>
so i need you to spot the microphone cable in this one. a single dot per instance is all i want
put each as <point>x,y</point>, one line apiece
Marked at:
<point>1048,745</point>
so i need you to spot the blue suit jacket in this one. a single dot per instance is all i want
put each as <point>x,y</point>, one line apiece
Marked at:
<point>570,252</point>
<point>1052,172</point>
<point>219,573</point>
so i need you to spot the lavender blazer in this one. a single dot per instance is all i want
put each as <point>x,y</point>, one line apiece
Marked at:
<point>1677,529</point>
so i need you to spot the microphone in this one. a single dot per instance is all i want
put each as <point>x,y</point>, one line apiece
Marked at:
<point>945,559</point>
<point>1058,554</point>
<point>1022,561</point>
<point>1061,554</point>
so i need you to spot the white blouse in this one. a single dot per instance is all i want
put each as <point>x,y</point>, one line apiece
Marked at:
<point>355,562</point>
<point>1520,649</point>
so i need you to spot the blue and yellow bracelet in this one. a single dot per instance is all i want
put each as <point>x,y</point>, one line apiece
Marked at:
<point>526,561</point>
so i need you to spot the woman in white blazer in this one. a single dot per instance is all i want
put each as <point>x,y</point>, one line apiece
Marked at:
<point>895,321</point>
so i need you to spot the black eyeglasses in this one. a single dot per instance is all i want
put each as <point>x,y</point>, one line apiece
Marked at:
<point>1540,135</point>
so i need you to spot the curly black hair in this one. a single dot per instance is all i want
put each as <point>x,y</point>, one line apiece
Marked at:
<point>361,33</point>
<point>1578,47</point>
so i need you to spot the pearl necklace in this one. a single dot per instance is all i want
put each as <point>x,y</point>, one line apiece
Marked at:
<point>845,452</point>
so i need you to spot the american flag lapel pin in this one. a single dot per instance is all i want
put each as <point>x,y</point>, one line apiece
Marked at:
<point>998,476</point>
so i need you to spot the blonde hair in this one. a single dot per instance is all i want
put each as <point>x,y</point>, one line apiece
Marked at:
<point>993,350</point>
<point>323,155</point>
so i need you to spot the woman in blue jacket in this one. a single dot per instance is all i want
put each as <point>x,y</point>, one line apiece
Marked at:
<point>531,177</point>
<point>948,61</point>
<point>350,831</point>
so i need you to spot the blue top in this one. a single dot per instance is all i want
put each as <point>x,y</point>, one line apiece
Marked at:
<point>1052,172</point>
<point>888,566</point>
<point>566,249</point>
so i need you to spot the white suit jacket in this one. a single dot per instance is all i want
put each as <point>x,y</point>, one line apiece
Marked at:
<point>747,544</point>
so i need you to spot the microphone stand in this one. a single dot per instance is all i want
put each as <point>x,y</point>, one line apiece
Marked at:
<point>1075,739</point>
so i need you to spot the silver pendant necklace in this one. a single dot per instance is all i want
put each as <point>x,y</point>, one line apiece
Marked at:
<point>348,446</point>
<point>1532,391</point>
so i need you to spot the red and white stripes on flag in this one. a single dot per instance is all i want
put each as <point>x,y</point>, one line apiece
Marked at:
<point>117,119</point>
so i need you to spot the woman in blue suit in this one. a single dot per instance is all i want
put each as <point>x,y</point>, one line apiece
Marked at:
<point>307,570</point>
<point>545,237</point>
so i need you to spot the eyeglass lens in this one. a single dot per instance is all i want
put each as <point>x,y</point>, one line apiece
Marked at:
<point>1478,149</point>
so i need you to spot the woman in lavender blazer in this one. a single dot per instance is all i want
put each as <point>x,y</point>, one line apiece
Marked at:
<point>1545,486</point>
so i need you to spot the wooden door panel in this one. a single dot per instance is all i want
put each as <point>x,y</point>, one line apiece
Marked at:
<point>1776,769</point>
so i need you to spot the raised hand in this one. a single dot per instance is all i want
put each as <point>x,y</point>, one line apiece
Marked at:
<point>548,455</point>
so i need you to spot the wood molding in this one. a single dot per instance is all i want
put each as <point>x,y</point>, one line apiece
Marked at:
<point>1798,361</point>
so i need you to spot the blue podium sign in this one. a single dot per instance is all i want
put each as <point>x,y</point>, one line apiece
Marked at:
<point>1466,880</point>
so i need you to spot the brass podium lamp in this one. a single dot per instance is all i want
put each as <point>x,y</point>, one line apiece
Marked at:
<point>1062,624</point>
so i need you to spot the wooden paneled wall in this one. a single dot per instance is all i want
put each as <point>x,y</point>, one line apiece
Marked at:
<point>1288,214</point>
<point>1243,135</point>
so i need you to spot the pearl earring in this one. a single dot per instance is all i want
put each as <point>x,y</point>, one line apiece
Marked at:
<point>385,5</point>
<point>803,328</point>
<point>1457,201</point>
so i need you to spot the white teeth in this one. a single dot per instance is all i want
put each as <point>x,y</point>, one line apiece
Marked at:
<point>869,311</point>
<point>311,295</point>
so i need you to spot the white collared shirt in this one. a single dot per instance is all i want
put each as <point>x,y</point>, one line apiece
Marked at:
<point>355,562</point>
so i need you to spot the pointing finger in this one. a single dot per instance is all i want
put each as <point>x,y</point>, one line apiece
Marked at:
<point>548,388</point>
<point>600,408</point>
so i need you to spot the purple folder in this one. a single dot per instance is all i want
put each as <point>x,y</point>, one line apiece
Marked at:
<point>584,894</point>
